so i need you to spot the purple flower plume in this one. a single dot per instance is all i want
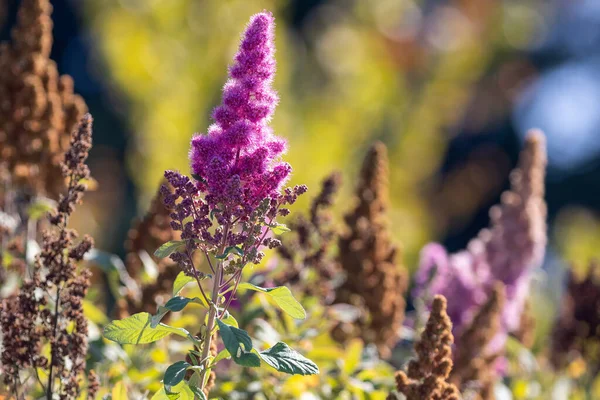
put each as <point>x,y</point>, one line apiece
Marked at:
<point>236,160</point>
<point>508,251</point>
<point>236,193</point>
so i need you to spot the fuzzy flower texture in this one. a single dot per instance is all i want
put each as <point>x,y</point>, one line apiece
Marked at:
<point>235,162</point>
<point>235,165</point>
<point>507,252</point>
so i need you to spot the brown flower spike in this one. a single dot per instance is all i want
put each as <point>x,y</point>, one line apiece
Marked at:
<point>576,332</point>
<point>375,282</point>
<point>48,310</point>
<point>473,364</point>
<point>310,244</point>
<point>428,373</point>
<point>38,109</point>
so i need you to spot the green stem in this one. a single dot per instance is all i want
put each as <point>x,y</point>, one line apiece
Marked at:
<point>210,324</point>
<point>212,314</point>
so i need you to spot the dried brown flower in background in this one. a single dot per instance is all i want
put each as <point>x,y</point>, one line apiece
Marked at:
<point>375,282</point>
<point>48,310</point>
<point>473,364</point>
<point>526,332</point>
<point>428,373</point>
<point>147,235</point>
<point>12,246</point>
<point>310,244</point>
<point>143,239</point>
<point>93,385</point>
<point>38,110</point>
<point>576,332</point>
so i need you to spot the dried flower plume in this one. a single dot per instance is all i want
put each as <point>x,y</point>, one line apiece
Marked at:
<point>473,362</point>
<point>38,110</point>
<point>49,310</point>
<point>576,332</point>
<point>427,375</point>
<point>310,246</point>
<point>374,282</point>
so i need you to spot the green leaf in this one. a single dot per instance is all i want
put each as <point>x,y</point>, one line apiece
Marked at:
<point>284,359</point>
<point>168,248</point>
<point>213,212</point>
<point>181,280</point>
<point>156,318</point>
<point>136,329</point>
<point>174,304</point>
<point>177,303</point>
<point>230,320</point>
<point>175,373</point>
<point>223,354</point>
<point>231,249</point>
<point>179,392</point>
<point>238,343</point>
<point>198,392</point>
<point>247,360</point>
<point>282,296</point>
<point>40,207</point>
<point>279,229</point>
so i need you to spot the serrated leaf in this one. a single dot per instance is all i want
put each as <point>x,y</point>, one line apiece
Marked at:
<point>175,373</point>
<point>166,249</point>
<point>282,296</point>
<point>279,229</point>
<point>284,359</point>
<point>238,343</point>
<point>136,329</point>
<point>181,280</point>
<point>230,249</point>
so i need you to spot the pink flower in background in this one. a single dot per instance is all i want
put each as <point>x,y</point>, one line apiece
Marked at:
<point>508,251</point>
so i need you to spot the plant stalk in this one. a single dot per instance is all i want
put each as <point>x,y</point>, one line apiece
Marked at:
<point>210,324</point>
<point>212,314</point>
